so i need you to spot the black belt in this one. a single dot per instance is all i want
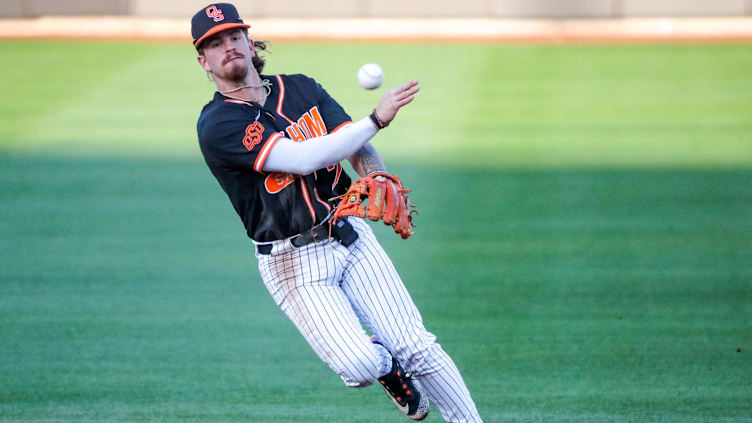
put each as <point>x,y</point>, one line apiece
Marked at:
<point>342,231</point>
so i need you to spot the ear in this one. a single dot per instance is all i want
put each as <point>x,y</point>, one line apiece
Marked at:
<point>202,61</point>
<point>251,47</point>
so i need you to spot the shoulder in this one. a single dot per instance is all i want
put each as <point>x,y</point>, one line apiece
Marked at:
<point>225,111</point>
<point>295,81</point>
<point>297,77</point>
<point>222,117</point>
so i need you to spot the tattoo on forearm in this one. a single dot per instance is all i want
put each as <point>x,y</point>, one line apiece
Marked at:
<point>367,160</point>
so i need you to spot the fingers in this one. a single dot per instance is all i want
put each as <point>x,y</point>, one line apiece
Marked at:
<point>406,89</point>
<point>405,101</point>
<point>401,89</point>
<point>407,93</point>
<point>393,99</point>
<point>408,85</point>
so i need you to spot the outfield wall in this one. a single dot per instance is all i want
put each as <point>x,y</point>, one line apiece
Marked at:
<point>547,9</point>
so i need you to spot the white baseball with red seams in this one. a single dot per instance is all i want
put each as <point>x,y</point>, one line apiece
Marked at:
<point>370,76</point>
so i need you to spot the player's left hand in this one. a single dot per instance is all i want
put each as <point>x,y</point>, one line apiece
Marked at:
<point>387,201</point>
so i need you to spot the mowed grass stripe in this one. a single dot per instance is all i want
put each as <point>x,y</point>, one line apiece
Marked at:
<point>129,293</point>
<point>683,105</point>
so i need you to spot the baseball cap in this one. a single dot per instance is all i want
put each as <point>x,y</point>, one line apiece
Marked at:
<point>213,19</point>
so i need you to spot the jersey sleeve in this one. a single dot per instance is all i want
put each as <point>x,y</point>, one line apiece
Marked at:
<point>235,137</point>
<point>332,113</point>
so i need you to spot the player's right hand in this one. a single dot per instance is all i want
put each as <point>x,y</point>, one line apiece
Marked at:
<point>394,98</point>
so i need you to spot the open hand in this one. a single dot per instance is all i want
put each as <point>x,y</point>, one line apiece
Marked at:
<point>393,99</point>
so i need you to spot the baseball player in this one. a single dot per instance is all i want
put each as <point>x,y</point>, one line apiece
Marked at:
<point>274,144</point>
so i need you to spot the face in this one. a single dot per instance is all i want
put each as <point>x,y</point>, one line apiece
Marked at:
<point>227,55</point>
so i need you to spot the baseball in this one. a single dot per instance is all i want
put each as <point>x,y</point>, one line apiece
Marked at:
<point>370,76</point>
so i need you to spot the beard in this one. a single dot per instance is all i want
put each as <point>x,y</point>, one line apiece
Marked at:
<point>236,70</point>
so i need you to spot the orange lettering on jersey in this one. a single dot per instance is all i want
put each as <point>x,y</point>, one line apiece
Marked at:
<point>277,181</point>
<point>303,128</point>
<point>253,134</point>
<point>313,122</point>
<point>295,133</point>
<point>309,125</point>
<point>215,13</point>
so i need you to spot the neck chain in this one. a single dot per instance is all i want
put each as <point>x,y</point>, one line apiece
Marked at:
<point>265,84</point>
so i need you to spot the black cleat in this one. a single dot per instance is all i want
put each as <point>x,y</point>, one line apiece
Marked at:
<point>405,393</point>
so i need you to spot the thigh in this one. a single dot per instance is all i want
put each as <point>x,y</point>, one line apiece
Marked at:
<point>288,268</point>
<point>305,285</point>
<point>326,320</point>
<point>381,300</point>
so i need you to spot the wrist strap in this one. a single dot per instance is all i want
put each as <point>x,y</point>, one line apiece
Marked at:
<point>377,121</point>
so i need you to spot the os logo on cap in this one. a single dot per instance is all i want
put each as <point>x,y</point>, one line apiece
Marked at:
<point>214,13</point>
<point>221,17</point>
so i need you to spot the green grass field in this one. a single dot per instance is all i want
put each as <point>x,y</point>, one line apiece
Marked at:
<point>584,248</point>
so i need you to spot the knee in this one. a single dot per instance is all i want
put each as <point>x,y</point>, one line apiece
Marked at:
<point>357,379</point>
<point>359,371</point>
<point>423,358</point>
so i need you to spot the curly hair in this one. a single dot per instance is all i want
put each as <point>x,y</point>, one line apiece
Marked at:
<point>258,61</point>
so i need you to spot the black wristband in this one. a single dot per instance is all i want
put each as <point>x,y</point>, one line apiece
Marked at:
<point>375,121</point>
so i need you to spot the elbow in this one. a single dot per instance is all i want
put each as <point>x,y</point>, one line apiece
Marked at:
<point>302,167</point>
<point>304,170</point>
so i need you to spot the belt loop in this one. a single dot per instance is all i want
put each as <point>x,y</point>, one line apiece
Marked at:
<point>264,249</point>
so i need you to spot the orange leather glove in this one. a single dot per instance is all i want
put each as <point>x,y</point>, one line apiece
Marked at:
<point>387,201</point>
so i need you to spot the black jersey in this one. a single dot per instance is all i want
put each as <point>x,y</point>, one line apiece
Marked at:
<point>236,137</point>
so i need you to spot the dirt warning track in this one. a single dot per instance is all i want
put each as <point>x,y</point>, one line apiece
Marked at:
<point>501,30</point>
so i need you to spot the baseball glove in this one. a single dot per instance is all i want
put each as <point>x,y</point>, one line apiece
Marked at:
<point>387,201</point>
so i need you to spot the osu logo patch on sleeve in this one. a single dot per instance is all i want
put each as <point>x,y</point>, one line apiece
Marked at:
<point>253,134</point>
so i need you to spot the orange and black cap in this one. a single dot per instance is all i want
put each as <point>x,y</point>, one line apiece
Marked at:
<point>213,19</point>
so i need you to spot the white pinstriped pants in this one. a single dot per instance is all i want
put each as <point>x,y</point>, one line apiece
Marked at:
<point>327,289</point>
